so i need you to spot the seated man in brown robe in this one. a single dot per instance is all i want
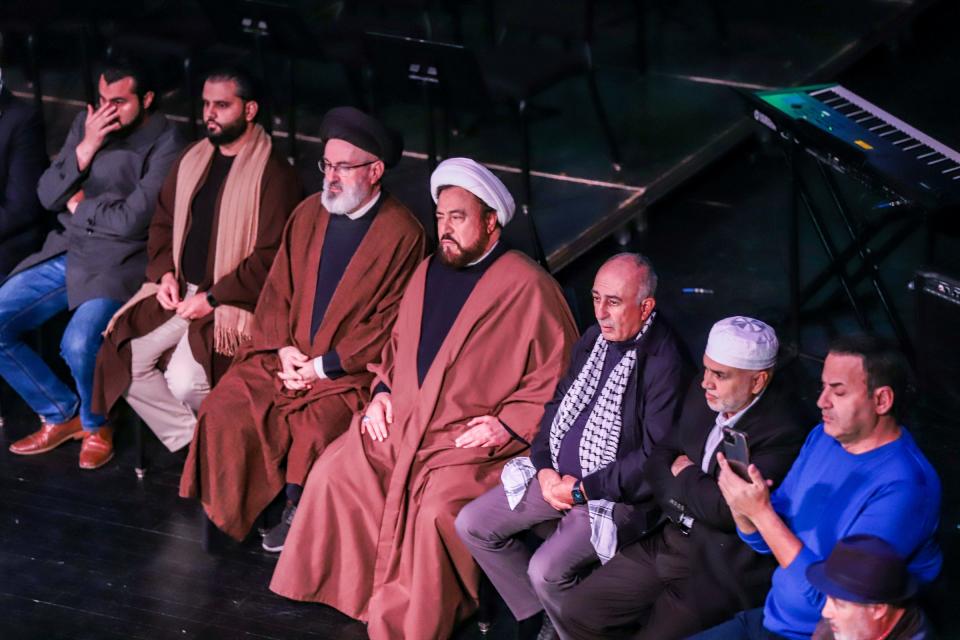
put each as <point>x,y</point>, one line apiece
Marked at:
<point>325,313</point>
<point>212,239</point>
<point>481,339</point>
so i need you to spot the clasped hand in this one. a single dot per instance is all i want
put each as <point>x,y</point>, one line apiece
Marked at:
<point>557,490</point>
<point>168,296</point>
<point>296,369</point>
<point>483,431</point>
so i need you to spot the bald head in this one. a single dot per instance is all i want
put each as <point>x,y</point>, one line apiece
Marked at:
<point>623,293</point>
<point>635,268</point>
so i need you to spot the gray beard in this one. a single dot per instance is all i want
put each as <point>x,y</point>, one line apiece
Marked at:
<point>346,202</point>
<point>722,406</point>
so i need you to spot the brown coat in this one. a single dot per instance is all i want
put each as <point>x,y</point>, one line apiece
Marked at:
<point>280,191</point>
<point>250,426</point>
<point>374,534</point>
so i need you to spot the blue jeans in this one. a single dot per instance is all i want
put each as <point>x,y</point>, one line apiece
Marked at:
<point>29,299</point>
<point>746,625</point>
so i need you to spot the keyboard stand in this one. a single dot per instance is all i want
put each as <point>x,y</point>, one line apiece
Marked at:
<point>856,252</point>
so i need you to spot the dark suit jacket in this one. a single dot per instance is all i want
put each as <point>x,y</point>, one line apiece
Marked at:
<point>105,239</point>
<point>727,575</point>
<point>22,159</point>
<point>650,408</point>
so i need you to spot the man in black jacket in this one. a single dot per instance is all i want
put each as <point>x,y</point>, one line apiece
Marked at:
<point>619,398</point>
<point>695,571</point>
<point>22,159</point>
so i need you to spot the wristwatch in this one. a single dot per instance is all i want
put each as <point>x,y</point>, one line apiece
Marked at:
<point>212,301</point>
<point>578,497</point>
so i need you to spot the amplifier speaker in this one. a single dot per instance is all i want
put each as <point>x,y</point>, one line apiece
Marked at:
<point>938,340</point>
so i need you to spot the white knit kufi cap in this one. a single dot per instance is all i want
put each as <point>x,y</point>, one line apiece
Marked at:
<point>478,180</point>
<point>743,343</point>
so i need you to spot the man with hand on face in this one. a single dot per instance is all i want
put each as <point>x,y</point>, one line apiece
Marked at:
<point>481,338</point>
<point>859,472</point>
<point>105,182</point>
<point>212,240</point>
<point>693,571</point>
<point>619,398</point>
<point>325,312</point>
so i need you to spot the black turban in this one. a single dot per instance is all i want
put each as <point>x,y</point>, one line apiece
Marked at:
<point>360,130</point>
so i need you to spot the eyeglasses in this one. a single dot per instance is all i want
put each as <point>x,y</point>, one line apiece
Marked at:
<point>342,169</point>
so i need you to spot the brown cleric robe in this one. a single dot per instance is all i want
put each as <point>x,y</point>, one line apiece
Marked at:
<point>280,191</point>
<point>374,535</point>
<point>250,425</point>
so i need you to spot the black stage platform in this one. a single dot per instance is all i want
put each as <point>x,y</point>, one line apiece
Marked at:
<point>102,555</point>
<point>673,118</point>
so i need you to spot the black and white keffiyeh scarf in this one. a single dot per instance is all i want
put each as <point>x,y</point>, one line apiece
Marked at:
<point>600,440</point>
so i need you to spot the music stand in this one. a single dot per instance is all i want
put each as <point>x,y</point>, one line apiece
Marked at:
<point>270,26</point>
<point>438,74</point>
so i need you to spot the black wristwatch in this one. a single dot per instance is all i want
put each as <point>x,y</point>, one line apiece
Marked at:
<point>212,301</point>
<point>578,497</point>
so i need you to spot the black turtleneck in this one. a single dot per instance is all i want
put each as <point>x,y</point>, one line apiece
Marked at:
<point>340,241</point>
<point>446,291</point>
<point>203,211</point>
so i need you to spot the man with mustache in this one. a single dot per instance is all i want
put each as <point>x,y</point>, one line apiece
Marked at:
<point>212,240</point>
<point>324,314</point>
<point>692,571</point>
<point>482,337</point>
<point>104,185</point>
<point>859,472</point>
<point>585,472</point>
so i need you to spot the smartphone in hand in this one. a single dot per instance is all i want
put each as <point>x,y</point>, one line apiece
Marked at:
<point>737,451</point>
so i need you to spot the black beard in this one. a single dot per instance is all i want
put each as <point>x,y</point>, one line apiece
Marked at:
<point>229,132</point>
<point>467,254</point>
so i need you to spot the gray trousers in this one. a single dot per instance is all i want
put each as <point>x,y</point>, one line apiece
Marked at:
<point>528,582</point>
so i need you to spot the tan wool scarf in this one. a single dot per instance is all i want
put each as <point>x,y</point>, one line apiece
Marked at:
<point>236,228</point>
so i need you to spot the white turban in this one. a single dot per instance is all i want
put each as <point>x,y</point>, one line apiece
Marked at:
<point>743,343</point>
<point>478,180</point>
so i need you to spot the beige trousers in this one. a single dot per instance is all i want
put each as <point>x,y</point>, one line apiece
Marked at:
<point>167,401</point>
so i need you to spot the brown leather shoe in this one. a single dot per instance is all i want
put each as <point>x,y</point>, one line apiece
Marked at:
<point>97,448</point>
<point>48,437</point>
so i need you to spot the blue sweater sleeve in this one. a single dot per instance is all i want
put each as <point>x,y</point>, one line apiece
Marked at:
<point>881,516</point>
<point>754,540</point>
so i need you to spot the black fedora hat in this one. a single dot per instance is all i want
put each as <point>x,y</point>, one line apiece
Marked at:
<point>865,569</point>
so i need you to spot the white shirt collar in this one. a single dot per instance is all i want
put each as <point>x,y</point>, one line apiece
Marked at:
<point>732,420</point>
<point>716,433</point>
<point>359,213</point>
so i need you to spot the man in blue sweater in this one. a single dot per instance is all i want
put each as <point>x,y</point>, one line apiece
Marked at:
<point>859,472</point>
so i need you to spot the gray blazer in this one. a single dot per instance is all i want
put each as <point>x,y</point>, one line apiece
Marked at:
<point>105,239</point>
